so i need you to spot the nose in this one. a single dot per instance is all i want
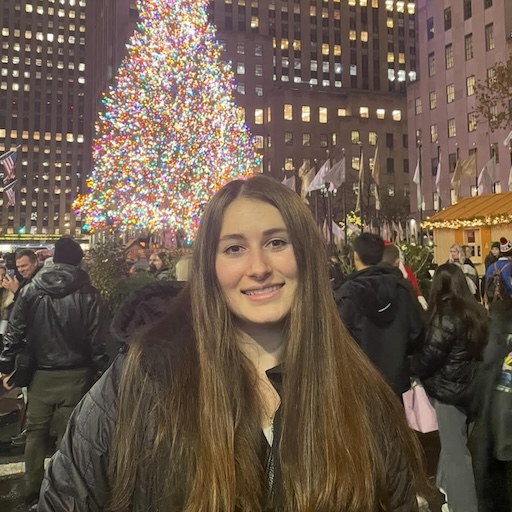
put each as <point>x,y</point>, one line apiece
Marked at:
<point>259,267</point>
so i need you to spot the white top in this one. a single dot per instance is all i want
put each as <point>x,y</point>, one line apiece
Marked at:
<point>269,434</point>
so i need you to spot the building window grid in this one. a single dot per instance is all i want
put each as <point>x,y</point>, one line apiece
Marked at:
<point>472,121</point>
<point>470,85</point>
<point>452,129</point>
<point>433,100</point>
<point>417,106</point>
<point>431,64</point>
<point>433,133</point>
<point>448,18</point>
<point>468,46</point>
<point>450,93</point>
<point>468,9</point>
<point>489,37</point>
<point>448,56</point>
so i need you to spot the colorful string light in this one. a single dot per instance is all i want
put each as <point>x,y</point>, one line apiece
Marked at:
<point>170,134</point>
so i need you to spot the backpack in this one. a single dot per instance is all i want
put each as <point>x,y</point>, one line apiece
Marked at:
<point>494,286</point>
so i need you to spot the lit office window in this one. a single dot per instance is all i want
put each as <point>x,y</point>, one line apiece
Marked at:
<point>396,115</point>
<point>364,112</point>
<point>306,114</point>
<point>433,100</point>
<point>288,112</point>
<point>258,116</point>
<point>381,113</point>
<point>470,85</point>
<point>322,115</point>
<point>433,133</point>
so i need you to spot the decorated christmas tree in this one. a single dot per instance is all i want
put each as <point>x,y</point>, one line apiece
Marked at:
<point>170,134</point>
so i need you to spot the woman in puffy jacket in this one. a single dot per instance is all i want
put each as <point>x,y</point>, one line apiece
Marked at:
<point>447,367</point>
<point>249,395</point>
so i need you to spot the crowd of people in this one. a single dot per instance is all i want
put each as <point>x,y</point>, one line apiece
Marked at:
<point>269,381</point>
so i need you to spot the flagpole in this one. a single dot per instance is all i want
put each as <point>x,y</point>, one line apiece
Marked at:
<point>420,206</point>
<point>344,185</point>
<point>361,186</point>
<point>315,192</point>
<point>476,168</point>
<point>439,167</point>
<point>329,205</point>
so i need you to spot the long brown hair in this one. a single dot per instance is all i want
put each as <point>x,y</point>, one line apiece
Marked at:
<point>450,295</point>
<point>188,433</point>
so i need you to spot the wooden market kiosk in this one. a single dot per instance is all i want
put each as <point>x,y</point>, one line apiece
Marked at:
<point>474,221</point>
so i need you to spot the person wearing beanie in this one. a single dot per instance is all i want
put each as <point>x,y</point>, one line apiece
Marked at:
<point>502,267</point>
<point>493,255</point>
<point>58,312</point>
<point>67,251</point>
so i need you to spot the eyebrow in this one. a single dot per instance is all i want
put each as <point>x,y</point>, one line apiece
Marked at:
<point>268,232</point>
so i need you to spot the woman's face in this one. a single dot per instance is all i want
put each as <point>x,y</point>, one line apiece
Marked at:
<point>255,262</point>
<point>155,261</point>
<point>495,251</point>
<point>454,254</point>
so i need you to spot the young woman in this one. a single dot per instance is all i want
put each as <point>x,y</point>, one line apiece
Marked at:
<point>249,396</point>
<point>159,266</point>
<point>447,367</point>
<point>458,256</point>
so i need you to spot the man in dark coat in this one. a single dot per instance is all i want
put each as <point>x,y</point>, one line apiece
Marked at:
<point>380,311</point>
<point>56,318</point>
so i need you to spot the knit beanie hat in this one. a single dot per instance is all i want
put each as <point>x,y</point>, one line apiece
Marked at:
<point>67,251</point>
<point>495,245</point>
<point>505,246</point>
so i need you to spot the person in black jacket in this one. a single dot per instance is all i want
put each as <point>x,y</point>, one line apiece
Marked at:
<point>492,433</point>
<point>447,367</point>
<point>248,395</point>
<point>57,316</point>
<point>379,308</point>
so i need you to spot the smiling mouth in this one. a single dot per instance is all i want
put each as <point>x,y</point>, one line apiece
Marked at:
<point>263,291</point>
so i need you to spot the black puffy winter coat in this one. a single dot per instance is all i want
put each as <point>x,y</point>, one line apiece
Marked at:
<point>58,314</point>
<point>381,312</point>
<point>77,476</point>
<point>445,366</point>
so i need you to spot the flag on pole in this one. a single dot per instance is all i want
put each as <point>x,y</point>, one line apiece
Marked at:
<point>289,182</point>
<point>10,194</point>
<point>508,138</point>
<point>360,183</point>
<point>487,177</point>
<point>438,176</point>
<point>8,161</point>
<point>376,166</point>
<point>376,178</point>
<point>306,181</point>
<point>337,174</point>
<point>468,166</point>
<point>417,181</point>
<point>319,180</point>
<point>456,180</point>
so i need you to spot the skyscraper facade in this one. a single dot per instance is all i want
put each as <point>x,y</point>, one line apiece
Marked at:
<point>458,44</point>
<point>56,58</point>
<point>318,79</point>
